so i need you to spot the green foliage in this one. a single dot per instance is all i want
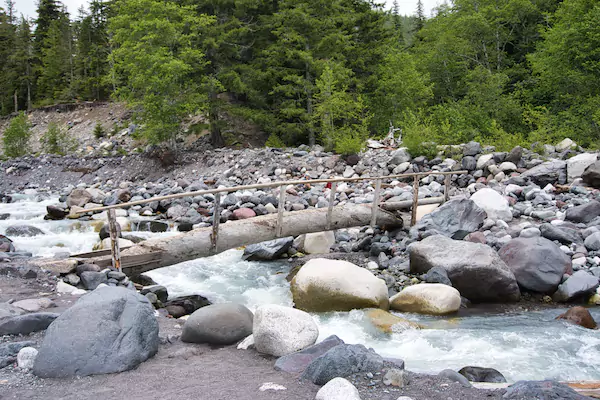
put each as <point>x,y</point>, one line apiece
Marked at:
<point>275,142</point>
<point>16,137</point>
<point>156,62</point>
<point>99,131</point>
<point>56,140</point>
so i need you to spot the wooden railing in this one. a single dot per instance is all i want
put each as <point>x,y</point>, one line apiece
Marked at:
<point>281,206</point>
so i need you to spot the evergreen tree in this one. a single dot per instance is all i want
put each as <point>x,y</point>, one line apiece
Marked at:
<point>8,74</point>
<point>56,72</point>
<point>22,60</point>
<point>16,137</point>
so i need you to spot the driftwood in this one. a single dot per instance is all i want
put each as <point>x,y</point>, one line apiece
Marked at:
<point>162,252</point>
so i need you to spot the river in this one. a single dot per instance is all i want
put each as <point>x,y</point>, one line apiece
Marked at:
<point>522,345</point>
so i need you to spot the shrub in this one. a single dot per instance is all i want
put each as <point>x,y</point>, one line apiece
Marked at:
<point>57,141</point>
<point>16,137</point>
<point>275,142</point>
<point>99,131</point>
<point>349,143</point>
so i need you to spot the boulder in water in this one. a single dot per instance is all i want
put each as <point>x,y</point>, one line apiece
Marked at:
<point>267,251</point>
<point>220,324</point>
<point>333,285</point>
<point>475,269</point>
<point>24,230</point>
<point>389,323</point>
<point>427,298</point>
<point>56,212</point>
<point>6,245</point>
<point>151,226</point>
<point>480,374</point>
<point>579,316</point>
<point>341,361</point>
<point>111,329</point>
<point>455,218</point>
<point>279,330</point>
<point>538,263</point>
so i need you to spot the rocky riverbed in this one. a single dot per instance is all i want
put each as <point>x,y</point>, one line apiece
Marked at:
<point>520,231</point>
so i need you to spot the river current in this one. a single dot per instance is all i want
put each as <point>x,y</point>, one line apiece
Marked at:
<point>522,345</point>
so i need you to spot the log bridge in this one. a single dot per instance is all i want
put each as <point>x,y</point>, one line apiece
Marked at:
<point>161,252</point>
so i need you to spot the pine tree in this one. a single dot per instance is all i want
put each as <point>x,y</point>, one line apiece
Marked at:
<point>8,74</point>
<point>420,18</point>
<point>22,60</point>
<point>56,70</point>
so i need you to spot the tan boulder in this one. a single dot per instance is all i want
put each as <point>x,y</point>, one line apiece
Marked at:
<point>318,243</point>
<point>332,285</point>
<point>388,322</point>
<point>427,298</point>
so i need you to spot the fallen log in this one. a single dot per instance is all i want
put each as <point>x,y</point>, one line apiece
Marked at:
<point>406,204</point>
<point>162,252</point>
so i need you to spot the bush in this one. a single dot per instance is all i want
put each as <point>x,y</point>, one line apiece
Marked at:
<point>275,141</point>
<point>16,137</point>
<point>349,143</point>
<point>99,131</point>
<point>57,141</point>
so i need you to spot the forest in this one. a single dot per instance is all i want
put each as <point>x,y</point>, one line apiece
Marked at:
<point>333,72</point>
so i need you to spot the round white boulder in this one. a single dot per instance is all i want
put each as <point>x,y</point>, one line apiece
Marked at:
<point>26,357</point>
<point>282,330</point>
<point>338,389</point>
<point>323,285</point>
<point>493,203</point>
<point>427,298</point>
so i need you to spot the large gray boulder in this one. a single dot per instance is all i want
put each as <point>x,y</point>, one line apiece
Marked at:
<point>480,374</point>
<point>584,213</point>
<point>221,324</point>
<point>341,361</point>
<point>111,329</point>
<point>562,234</point>
<point>541,390</point>
<point>267,251</point>
<point>26,324</point>
<point>538,263</point>
<point>580,284</point>
<point>475,269</point>
<point>399,156</point>
<point>455,218</point>
<point>577,165</point>
<point>79,198</point>
<point>549,172</point>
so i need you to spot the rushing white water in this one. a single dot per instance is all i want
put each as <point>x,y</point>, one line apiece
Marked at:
<point>529,345</point>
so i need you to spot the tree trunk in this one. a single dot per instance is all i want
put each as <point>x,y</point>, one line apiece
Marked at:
<point>16,102</point>
<point>162,252</point>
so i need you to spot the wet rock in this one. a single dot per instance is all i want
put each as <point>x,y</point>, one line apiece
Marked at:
<point>537,263</point>
<point>56,212</point>
<point>547,390</point>
<point>342,361</point>
<point>91,280</point>
<point>338,389</point>
<point>579,316</point>
<point>333,285</point>
<point>151,226</point>
<point>26,324</point>
<point>116,330</point>
<point>105,231</point>
<point>389,323</point>
<point>23,230</point>
<point>480,374</point>
<point>493,203</point>
<point>187,304</point>
<point>267,251</point>
<point>455,377</point>
<point>455,218</point>
<point>279,330</point>
<point>220,324</point>
<point>427,298</point>
<point>142,279</point>
<point>474,269</point>
<point>580,284</point>
<point>297,362</point>
<point>584,213</point>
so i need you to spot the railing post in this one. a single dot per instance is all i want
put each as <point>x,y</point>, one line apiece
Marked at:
<point>114,239</point>
<point>415,205</point>
<point>447,188</point>
<point>375,206</point>
<point>216,221</point>
<point>330,206</point>
<point>280,208</point>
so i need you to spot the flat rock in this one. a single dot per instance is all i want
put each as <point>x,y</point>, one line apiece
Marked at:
<point>475,269</point>
<point>27,323</point>
<point>297,362</point>
<point>455,218</point>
